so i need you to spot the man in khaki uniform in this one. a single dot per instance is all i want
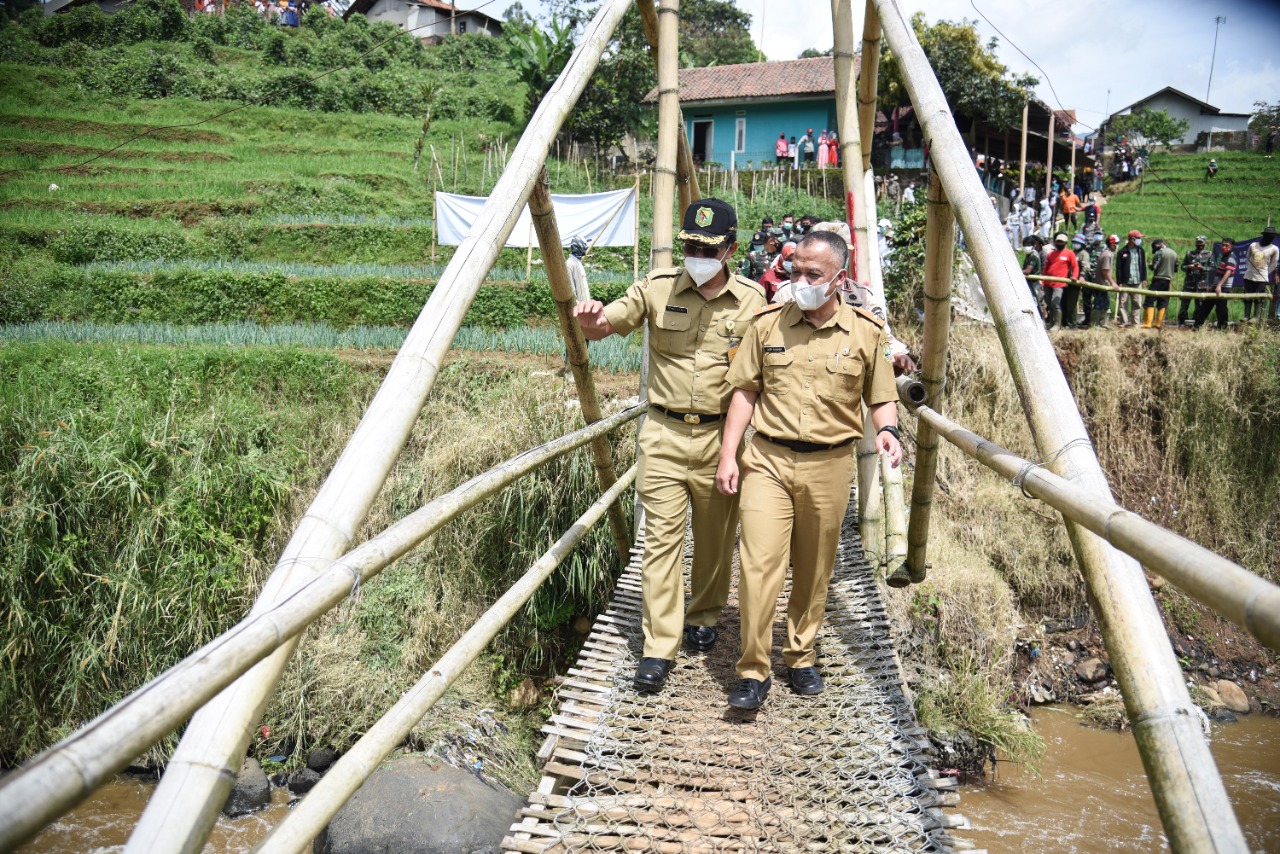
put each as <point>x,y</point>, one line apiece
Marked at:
<point>800,378</point>
<point>697,316</point>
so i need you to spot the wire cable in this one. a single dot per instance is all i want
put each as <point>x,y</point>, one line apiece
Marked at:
<point>255,103</point>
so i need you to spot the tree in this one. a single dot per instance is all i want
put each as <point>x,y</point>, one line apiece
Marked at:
<point>814,53</point>
<point>715,32</point>
<point>539,56</point>
<point>1264,116</point>
<point>1147,127</point>
<point>975,83</point>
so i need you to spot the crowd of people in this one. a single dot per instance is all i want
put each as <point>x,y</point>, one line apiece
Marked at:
<point>1104,263</point>
<point>808,151</point>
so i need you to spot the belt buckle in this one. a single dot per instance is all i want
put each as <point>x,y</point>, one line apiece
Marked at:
<point>692,418</point>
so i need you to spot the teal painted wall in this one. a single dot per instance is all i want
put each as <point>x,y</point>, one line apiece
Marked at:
<point>765,120</point>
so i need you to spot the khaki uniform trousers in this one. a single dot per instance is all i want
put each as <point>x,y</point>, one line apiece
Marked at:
<point>677,470</point>
<point>793,505</point>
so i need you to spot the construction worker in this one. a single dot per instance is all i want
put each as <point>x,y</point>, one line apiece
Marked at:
<point>801,376</point>
<point>697,315</point>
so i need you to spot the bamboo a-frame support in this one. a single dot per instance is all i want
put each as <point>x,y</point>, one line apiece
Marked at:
<point>62,776</point>
<point>1189,794</point>
<point>664,167</point>
<point>543,215</point>
<point>940,243</point>
<point>1147,292</point>
<point>202,769</point>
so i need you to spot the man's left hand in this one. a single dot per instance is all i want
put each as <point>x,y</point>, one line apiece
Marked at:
<point>903,364</point>
<point>890,447</point>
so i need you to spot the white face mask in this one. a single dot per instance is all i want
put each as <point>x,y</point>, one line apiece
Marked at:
<point>703,270</point>
<point>787,265</point>
<point>811,297</point>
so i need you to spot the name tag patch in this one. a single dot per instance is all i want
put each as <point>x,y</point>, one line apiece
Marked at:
<point>775,349</point>
<point>678,309</point>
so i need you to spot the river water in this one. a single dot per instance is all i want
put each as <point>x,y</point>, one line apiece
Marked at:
<point>1091,796</point>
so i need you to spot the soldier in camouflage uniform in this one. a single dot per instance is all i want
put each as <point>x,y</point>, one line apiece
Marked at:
<point>1196,264</point>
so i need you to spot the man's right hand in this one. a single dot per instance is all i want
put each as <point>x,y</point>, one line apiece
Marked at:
<point>727,476</point>
<point>590,315</point>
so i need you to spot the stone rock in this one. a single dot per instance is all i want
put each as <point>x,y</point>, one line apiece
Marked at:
<point>279,780</point>
<point>1214,673</point>
<point>1069,659</point>
<point>582,626</point>
<point>322,760</point>
<point>1092,670</point>
<point>302,781</point>
<point>1233,696</point>
<point>251,791</point>
<point>1214,698</point>
<point>525,695</point>
<point>418,805</point>
<point>1221,715</point>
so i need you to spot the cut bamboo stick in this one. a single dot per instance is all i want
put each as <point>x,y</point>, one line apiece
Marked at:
<point>544,222</point>
<point>306,820</point>
<point>1244,598</point>
<point>199,776</point>
<point>939,241</point>
<point>1193,804</point>
<point>870,500</point>
<point>1146,292</point>
<point>62,776</point>
<point>895,518</point>
<point>669,124</point>
<point>1022,162</point>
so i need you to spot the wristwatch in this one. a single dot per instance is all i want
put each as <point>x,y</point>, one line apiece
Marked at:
<point>891,430</point>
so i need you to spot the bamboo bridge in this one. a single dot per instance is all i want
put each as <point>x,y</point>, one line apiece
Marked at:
<point>675,772</point>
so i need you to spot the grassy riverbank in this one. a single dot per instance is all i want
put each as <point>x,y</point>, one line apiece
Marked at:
<point>147,491</point>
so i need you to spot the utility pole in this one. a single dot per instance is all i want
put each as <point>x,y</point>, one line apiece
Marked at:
<point>1217,22</point>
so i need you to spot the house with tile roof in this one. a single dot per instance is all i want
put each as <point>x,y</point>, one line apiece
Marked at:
<point>426,19</point>
<point>734,113</point>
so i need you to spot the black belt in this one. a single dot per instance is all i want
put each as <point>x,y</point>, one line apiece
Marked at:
<point>804,447</point>
<point>687,417</point>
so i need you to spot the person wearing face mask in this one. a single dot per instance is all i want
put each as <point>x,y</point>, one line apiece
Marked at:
<point>1222,278</point>
<point>1260,270</point>
<point>764,249</point>
<point>800,378</point>
<point>778,274</point>
<point>1164,263</point>
<point>788,225</point>
<point>1196,265</point>
<point>1131,272</point>
<point>697,316</point>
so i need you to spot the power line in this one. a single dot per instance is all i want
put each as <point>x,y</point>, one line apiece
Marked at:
<point>254,103</point>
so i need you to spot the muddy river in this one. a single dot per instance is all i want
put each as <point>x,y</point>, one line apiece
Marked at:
<point>1091,796</point>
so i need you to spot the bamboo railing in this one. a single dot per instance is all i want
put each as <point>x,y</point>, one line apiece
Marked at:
<point>203,767</point>
<point>1244,598</point>
<point>1189,794</point>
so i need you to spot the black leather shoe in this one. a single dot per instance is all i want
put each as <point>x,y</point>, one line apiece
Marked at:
<point>750,693</point>
<point>805,681</point>
<point>700,638</point>
<point>651,675</point>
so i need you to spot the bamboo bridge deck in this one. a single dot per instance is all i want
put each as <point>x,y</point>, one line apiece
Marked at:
<point>679,771</point>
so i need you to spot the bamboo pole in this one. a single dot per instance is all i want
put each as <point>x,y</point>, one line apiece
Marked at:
<point>1022,162</point>
<point>1147,292</point>
<point>686,176</point>
<point>1048,172</point>
<point>939,242</point>
<point>1244,598</point>
<point>870,502</point>
<point>867,82</point>
<point>895,518</point>
<point>62,776</point>
<point>1193,805</point>
<point>851,155</point>
<point>312,814</point>
<point>544,222</point>
<point>669,127</point>
<point>202,769</point>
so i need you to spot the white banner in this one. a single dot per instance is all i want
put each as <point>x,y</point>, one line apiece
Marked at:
<point>608,219</point>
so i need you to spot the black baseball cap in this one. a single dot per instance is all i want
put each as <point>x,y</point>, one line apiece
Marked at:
<point>759,237</point>
<point>710,221</point>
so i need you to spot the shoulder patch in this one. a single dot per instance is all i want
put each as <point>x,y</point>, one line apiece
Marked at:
<point>664,273</point>
<point>765,309</point>
<point>868,315</point>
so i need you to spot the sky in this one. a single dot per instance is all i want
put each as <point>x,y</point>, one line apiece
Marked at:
<point>1101,55</point>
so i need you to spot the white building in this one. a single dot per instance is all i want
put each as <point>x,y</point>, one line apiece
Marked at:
<point>426,19</point>
<point>1202,117</point>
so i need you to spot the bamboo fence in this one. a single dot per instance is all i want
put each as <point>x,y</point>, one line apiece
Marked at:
<point>199,776</point>
<point>62,776</point>
<point>1189,794</point>
<point>1146,292</point>
<point>1244,598</point>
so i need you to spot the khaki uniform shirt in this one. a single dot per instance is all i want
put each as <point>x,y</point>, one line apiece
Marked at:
<point>812,381</point>
<point>689,336</point>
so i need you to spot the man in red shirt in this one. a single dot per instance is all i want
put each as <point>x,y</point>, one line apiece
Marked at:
<point>1221,280</point>
<point>1060,262</point>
